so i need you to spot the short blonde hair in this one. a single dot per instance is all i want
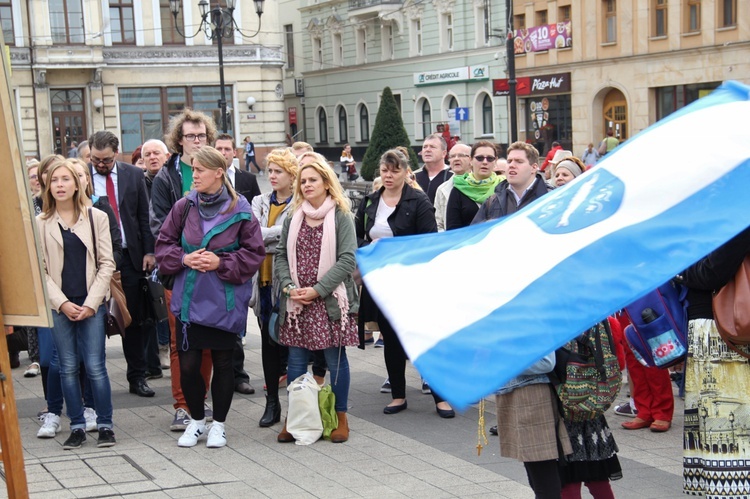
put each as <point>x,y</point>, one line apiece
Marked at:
<point>330,181</point>
<point>299,146</point>
<point>284,159</point>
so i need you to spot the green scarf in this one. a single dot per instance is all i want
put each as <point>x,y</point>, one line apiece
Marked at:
<point>476,190</point>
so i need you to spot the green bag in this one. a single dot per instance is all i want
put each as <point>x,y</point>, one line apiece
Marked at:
<point>327,404</point>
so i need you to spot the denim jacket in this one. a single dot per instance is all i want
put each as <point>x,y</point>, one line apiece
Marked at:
<point>532,375</point>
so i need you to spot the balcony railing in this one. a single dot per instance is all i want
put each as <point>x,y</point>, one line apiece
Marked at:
<point>362,4</point>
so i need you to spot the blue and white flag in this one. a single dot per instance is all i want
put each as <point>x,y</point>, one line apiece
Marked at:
<point>475,307</point>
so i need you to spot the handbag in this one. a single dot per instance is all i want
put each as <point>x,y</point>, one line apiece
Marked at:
<point>155,299</point>
<point>732,309</point>
<point>303,417</point>
<point>327,403</point>
<point>273,322</point>
<point>117,317</point>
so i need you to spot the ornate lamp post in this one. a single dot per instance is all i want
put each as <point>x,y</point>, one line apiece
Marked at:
<point>218,23</point>
<point>704,414</point>
<point>733,445</point>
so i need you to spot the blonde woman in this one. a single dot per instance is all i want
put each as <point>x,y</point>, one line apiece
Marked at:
<point>271,210</point>
<point>314,264</point>
<point>214,256</point>
<point>77,251</point>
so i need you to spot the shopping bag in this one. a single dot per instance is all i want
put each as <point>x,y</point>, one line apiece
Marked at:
<point>303,418</point>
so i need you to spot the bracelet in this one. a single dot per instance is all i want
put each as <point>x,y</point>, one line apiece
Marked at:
<point>288,290</point>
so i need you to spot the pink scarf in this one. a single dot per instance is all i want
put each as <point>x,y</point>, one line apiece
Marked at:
<point>327,252</point>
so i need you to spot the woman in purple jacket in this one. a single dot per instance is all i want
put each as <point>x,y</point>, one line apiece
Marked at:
<point>213,244</point>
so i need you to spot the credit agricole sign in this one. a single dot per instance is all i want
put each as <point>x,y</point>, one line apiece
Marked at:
<point>465,73</point>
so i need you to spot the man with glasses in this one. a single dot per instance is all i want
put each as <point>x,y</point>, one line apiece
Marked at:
<point>125,187</point>
<point>459,159</point>
<point>435,171</point>
<point>188,132</point>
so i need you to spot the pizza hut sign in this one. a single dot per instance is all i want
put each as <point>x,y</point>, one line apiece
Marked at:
<point>534,85</point>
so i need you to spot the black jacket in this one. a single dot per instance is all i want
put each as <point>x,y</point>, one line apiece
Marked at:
<point>102,204</point>
<point>166,190</point>
<point>430,187</point>
<point>246,184</point>
<point>414,214</point>
<point>712,272</point>
<point>460,210</point>
<point>502,203</point>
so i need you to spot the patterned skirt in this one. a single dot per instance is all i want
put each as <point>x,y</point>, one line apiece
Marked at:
<point>594,455</point>
<point>716,456</point>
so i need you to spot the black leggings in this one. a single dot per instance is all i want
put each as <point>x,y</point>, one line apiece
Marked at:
<point>194,389</point>
<point>395,360</point>
<point>272,355</point>
<point>544,478</point>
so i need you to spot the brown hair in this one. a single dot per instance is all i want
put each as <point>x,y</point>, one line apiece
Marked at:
<point>49,204</point>
<point>397,159</point>
<point>87,172</point>
<point>45,164</point>
<point>483,143</point>
<point>225,136</point>
<point>173,136</point>
<point>212,159</point>
<point>531,152</point>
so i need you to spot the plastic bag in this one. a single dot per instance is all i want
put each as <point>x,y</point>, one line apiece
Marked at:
<point>303,418</point>
<point>327,403</point>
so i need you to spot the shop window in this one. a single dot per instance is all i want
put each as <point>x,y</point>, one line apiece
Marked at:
<point>452,102</point>
<point>548,119</point>
<point>121,22</point>
<point>692,16</point>
<point>616,114</point>
<point>660,18</point>
<point>66,22</point>
<point>727,13</point>
<point>487,121</point>
<point>563,13</point>
<point>343,125</point>
<point>415,36</point>
<point>610,21</point>
<point>338,49</point>
<point>670,99</point>
<point>6,21</point>
<point>289,42</point>
<point>317,53</point>
<point>322,126</point>
<point>364,123</point>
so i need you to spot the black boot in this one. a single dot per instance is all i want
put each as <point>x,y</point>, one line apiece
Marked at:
<point>272,414</point>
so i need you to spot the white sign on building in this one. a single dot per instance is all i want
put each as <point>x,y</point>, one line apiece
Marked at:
<point>465,73</point>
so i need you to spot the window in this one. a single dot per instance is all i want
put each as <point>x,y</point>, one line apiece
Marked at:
<point>486,23</point>
<point>317,53</point>
<point>343,126</point>
<point>541,17</point>
<point>519,21</point>
<point>386,36</point>
<point>144,112</point>
<point>169,34</point>
<point>727,13</point>
<point>452,103</point>
<point>66,21</point>
<point>322,126</point>
<point>426,118</point>
<point>610,21</point>
<point>338,49</point>
<point>563,13</point>
<point>660,18</point>
<point>361,45</point>
<point>364,123</point>
<point>121,23</point>
<point>487,128</point>
<point>415,32</point>
<point>6,20</point>
<point>670,99</point>
<point>289,40</point>
<point>693,16</point>
<point>446,41</point>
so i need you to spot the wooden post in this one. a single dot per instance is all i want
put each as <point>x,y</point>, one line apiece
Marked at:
<point>10,436</point>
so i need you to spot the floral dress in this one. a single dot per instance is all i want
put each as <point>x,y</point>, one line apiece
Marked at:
<point>312,329</point>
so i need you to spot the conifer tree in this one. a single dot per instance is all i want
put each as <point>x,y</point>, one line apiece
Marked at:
<point>388,133</point>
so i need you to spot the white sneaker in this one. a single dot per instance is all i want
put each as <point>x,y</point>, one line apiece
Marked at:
<point>216,436</point>
<point>164,356</point>
<point>50,426</point>
<point>193,432</point>
<point>90,415</point>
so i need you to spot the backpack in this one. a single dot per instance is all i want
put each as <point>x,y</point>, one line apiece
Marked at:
<point>587,376</point>
<point>658,331</point>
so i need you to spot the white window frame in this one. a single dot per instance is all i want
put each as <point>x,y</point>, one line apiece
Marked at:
<point>478,118</point>
<point>415,36</point>
<point>388,41</point>
<point>358,123</point>
<point>317,55</point>
<point>337,41</point>
<point>361,41</point>
<point>337,126</point>
<point>318,134</point>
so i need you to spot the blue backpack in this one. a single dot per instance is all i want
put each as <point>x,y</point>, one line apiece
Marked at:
<point>658,331</point>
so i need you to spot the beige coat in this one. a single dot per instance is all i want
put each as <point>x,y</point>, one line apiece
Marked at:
<point>97,282</point>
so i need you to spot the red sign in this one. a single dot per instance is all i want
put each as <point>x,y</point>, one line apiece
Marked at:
<point>292,115</point>
<point>534,85</point>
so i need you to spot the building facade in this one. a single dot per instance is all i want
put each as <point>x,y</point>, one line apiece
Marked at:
<point>124,65</point>
<point>438,57</point>
<point>586,66</point>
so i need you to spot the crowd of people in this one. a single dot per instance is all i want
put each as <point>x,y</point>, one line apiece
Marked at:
<point>185,215</point>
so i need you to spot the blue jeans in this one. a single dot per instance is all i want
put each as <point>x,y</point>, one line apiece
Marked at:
<point>88,338</point>
<point>48,358</point>
<point>298,359</point>
<point>162,332</point>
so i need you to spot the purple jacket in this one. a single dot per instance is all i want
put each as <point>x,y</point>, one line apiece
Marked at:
<point>217,298</point>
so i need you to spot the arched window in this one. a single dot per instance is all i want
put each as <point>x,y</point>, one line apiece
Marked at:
<point>453,103</point>
<point>364,124</point>
<point>343,127</point>
<point>322,125</point>
<point>426,118</point>
<point>487,128</point>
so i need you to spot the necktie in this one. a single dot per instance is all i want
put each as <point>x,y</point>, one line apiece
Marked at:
<point>113,197</point>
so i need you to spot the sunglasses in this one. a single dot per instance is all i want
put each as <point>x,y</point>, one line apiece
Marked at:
<point>488,159</point>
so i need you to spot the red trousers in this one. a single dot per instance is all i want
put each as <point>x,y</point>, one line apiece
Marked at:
<point>652,390</point>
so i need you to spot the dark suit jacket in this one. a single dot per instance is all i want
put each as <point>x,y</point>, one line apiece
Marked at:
<point>133,208</point>
<point>246,184</point>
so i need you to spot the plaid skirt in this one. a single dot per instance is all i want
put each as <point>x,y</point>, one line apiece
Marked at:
<point>530,426</point>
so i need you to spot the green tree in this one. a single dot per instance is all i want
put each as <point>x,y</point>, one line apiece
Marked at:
<point>388,133</point>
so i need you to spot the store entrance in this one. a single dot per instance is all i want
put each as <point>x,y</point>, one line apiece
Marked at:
<point>615,114</point>
<point>68,118</point>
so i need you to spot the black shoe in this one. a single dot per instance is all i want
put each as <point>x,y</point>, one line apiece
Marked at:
<point>75,440</point>
<point>106,438</point>
<point>15,360</point>
<point>154,374</point>
<point>141,388</point>
<point>394,409</point>
<point>493,430</point>
<point>244,387</point>
<point>445,413</point>
<point>272,414</point>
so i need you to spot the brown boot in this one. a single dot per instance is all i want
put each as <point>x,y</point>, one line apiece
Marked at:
<point>340,434</point>
<point>284,436</point>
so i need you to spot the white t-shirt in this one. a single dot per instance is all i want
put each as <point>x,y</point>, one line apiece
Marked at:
<point>380,228</point>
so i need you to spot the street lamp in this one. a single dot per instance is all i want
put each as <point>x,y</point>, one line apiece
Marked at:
<point>217,23</point>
